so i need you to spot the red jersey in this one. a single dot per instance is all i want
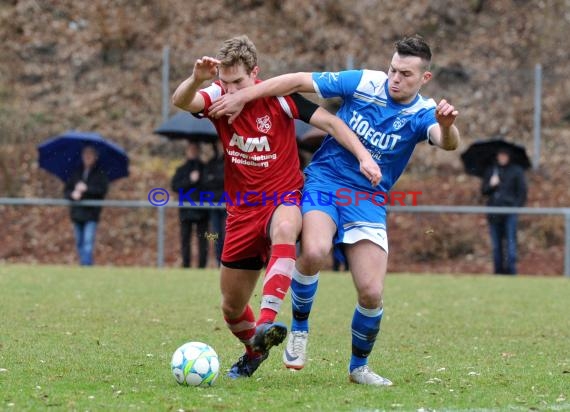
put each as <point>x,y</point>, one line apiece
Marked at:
<point>261,161</point>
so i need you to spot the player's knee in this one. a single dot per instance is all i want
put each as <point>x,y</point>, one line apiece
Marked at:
<point>370,297</point>
<point>315,253</point>
<point>232,310</point>
<point>285,232</point>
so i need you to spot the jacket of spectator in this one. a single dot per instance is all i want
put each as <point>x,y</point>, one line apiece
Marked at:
<point>97,186</point>
<point>511,191</point>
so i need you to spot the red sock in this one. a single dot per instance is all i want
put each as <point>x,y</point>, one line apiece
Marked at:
<point>243,327</point>
<point>277,281</point>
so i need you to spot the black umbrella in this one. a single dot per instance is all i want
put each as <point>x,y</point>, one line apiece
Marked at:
<point>483,153</point>
<point>186,126</point>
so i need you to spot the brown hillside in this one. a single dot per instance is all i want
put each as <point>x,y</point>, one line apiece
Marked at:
<point>97,66</point>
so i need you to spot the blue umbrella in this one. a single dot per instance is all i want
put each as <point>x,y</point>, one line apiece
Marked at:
<point>184,125</point>
<point>61,155</point>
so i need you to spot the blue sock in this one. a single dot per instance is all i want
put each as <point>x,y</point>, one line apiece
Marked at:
<point>303,291</point>
<point>365,328</point>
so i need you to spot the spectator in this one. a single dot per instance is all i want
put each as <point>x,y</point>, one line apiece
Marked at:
<point>187,177</point>
<point>89,182</point>
<point>505,184</point>
<point>213,182</point>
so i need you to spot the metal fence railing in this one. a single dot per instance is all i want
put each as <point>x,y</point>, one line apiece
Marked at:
<point>438,209</point>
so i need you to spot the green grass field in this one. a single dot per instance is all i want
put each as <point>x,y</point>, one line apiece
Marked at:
<point>101,339</point>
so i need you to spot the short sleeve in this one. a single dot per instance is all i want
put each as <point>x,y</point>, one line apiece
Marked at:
<point>210,94</point>
<point>336,84</point>
<point>424,121</point>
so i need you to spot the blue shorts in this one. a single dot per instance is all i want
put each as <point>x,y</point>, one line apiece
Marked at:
<point>358,215</point>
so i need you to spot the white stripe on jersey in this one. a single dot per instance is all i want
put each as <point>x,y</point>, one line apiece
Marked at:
<point>429,128</point>
<point>213,90</point>
<point>372,85</point>
<point>371,99</point>
<point>369,224</point>
<point>421,104</point>
<point>285,106</point>
<point>317,90</point>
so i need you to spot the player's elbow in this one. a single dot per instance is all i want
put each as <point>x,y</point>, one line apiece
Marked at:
<point>174,101</point>
<point>327,125</point>
<point>450,146</point>
<point>182,104</point>
<point>177,101</point>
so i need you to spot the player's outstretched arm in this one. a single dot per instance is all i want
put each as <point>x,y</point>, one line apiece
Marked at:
<point>231,104</point>
<point>186,95</point>
<point>445,134</point>
<point>346,137</point>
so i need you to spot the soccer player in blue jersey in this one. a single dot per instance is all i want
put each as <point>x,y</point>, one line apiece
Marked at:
<point>390,117</point>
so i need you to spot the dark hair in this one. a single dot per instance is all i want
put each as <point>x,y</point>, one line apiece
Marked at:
<point>414,46</point>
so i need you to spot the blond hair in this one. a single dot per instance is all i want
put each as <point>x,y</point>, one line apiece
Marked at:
<point>238,50</point>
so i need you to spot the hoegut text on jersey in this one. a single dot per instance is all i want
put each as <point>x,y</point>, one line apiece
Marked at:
<point>366,132</point>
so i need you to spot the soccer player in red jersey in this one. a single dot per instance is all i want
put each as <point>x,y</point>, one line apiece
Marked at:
<point>262,185</point>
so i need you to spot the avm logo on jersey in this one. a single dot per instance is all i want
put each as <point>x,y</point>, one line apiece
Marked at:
<point>341,197</point>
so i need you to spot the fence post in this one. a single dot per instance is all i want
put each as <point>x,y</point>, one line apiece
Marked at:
<point>165,83</point>
<point>567,244</point>
<point>349,62</point>
<point>160,238</point>
<point>537,114</point>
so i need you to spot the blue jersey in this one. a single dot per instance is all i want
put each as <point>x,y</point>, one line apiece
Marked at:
<point>390,131</point>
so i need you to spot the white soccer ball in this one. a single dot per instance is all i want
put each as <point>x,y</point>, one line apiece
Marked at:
<point>195,364</point>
